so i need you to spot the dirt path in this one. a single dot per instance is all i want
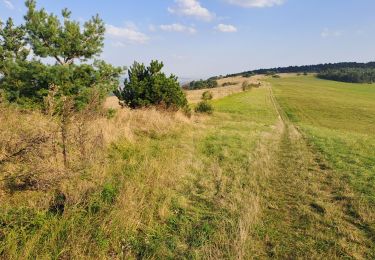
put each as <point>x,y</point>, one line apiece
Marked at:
<point>307,212</point>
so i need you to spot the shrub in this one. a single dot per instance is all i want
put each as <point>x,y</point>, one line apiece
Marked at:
<point>229,84</point>
<point>207,95</point>
<point>151,87</point>
<point>270,73</point>
<point>246,86</point>
<point>111,113</point>
<point>276,76</point>
<point>204,107</point>
<point>201,84</point>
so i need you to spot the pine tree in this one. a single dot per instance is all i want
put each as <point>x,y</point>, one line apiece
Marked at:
<point>76,75</point>
<point>148,86</point>
<point>75,80</point>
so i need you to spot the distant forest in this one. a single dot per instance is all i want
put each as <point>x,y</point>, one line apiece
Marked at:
<point>345,71</point>
<point>352,75</point>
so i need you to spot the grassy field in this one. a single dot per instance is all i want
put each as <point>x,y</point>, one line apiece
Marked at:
<point>339,119</point>
<point>336,121</point>
<point>284,171</point>
<point>168,188</point>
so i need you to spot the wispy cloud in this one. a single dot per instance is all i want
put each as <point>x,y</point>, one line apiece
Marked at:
<point>8,4</point>
<point>192,8</point>
<point>326,33</point>
<point>226,28</point>
<point>256,3</point>
<point>176,27</point>
<point>128,33</point>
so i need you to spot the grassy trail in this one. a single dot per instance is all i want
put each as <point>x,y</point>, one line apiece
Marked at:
<point>310,212</point>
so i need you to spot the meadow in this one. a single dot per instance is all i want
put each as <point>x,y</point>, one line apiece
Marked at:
<point>162,188</point>
<point>281,171</point>
<point>336,121</point>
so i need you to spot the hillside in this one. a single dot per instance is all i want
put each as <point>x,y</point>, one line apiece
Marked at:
<point>280,171</point>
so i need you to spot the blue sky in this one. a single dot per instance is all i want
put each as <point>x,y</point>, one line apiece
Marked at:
<point>200,38</point>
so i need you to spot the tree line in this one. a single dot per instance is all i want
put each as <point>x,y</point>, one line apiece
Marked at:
<point>318,68</point>
<point>351,75</point>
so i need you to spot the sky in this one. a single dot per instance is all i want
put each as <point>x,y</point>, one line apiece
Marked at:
<point>202,38</point>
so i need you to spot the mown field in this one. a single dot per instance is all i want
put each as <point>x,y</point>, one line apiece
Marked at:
<point>337,122</point>
<point>284,171</point>
<point>339,119</point>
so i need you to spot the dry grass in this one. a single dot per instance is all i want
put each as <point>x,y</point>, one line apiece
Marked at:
<point>154,184</point>
<point>243,183</point>
<point>194,96</point>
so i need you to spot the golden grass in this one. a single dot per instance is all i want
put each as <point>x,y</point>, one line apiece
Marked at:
<point>194,96</point>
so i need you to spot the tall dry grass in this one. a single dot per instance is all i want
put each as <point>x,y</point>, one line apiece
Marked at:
<point>31,156</point>
<point>194,96</point>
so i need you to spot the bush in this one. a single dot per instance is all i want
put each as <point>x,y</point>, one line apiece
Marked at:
<point>207,95</point>
<point>246,86</point>
<point>150,87</point>
<point>204,107</point>
<point>111,113</point>
<point>202,84</point>
<point>229,84</point>
<point>276,76</point>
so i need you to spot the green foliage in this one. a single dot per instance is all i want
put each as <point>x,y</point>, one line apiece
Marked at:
<point>351,75</point>
<point>202,84</point>
<point>207,95</point>
<point>204,107</point>
<point>270,73</point>
<point>28,81</point>
<point>111,113</point>
<point>305,69</point>
<point>276,76</point>
<point>109,193</point>
<point>148,86</point>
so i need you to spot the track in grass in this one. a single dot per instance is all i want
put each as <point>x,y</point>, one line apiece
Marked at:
<point>312,212</point>
<point>274,173</point>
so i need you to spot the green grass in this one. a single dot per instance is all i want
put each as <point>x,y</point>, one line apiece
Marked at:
<point>339,119</point>
<point>238,184</point>
<point>173,195</point>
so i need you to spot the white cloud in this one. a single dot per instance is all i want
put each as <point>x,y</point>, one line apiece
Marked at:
<point>326,33</point>
<point>256,3</point>
<point>226,28</point>
<point>118,44</point>
<point>191,8</point>
<point>128,33</point>
<point>8,4</point>
<point>176,27</point>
